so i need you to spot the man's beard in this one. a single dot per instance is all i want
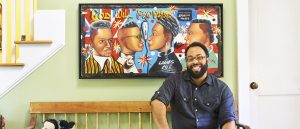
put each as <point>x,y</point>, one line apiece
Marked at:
<point>199,74</point>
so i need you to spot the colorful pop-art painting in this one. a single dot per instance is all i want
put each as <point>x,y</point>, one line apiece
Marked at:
<point>146,40</point>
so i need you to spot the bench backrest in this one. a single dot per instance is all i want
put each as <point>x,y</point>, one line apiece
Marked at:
<point>94,115</point>
<point>98,115</point>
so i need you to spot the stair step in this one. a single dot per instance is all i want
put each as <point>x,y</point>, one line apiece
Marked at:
<point>12,64</point>
<point>34,42</point>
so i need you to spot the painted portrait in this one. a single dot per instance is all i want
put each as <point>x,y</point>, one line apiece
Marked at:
<point>146,40</point>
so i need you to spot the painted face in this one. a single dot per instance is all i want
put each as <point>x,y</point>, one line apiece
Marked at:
<point>102,42</point>
<point>133,39</point>
<point>158,39</point>
<point>196,61</point>
<point>196,34</point>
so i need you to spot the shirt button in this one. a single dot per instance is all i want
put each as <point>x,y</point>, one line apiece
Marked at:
<point>207,104</point>
<point>184,99</point>
<point>157,92</point>
<point>196,110</point>
<point>196,88</point>
<point>195,99</point>
<point>197,120</point>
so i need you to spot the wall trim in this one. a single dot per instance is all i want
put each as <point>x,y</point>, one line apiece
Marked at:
<point>243,60</point>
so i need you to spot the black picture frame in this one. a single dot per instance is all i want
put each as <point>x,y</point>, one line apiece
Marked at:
<point>116,54</point>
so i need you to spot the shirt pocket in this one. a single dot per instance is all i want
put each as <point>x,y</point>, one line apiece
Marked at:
<point>181,102</point>
<point>181,99</point>
<point>210,103</point>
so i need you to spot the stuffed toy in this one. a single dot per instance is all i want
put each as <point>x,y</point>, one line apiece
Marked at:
<point>50,124</point>
<point>66,125</point>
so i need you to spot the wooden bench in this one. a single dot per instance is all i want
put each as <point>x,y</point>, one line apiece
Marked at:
<point>97,115</point>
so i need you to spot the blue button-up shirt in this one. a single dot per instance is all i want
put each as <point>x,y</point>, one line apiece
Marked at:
<point>207,106</point>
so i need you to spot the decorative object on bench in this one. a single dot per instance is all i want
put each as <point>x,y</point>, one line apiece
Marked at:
<point>50,124</point>
<point>66,125</point>
<point>98,115</point>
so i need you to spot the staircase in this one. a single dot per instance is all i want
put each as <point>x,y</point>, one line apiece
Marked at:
<point>19,58</point>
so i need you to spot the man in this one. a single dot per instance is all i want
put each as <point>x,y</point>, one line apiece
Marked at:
<point>198,100</point>
<point>201,31</point>
<point>129,37</point>
<point>161,39</point>
<point>100,61</point>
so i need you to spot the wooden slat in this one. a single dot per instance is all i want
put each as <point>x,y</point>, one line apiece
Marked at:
<point>107,120</point>
<point>150,120</point>
<point>129,120</point>
<point>86,121</point>
<point>34,42</point>
<point>34,12</point>
<point>90,107</point>
<point>12,64</point>
<point>118,120</point>
<point>27,19</point>
<point>76,120</point>
<point>97,121</point>
<point>8,32</point>
<point>0,52</point>
<point>17,28</point>
<point>140,120</point>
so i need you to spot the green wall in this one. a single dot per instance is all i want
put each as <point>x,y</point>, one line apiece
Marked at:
<point>57,79</point>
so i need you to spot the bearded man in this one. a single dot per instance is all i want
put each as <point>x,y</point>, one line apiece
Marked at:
<point>198,100</point>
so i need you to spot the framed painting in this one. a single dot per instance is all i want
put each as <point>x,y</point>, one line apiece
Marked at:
<point>146,40</point>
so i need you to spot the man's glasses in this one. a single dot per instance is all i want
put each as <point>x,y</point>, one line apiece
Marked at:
<point>198,58</point>
<point>105,41</point>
